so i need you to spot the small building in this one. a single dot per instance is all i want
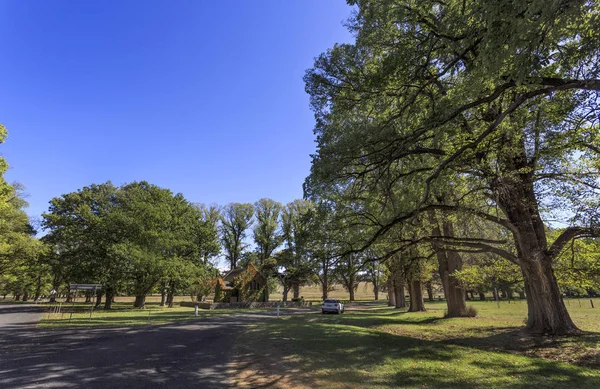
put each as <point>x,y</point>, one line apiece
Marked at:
<point>245,284</point>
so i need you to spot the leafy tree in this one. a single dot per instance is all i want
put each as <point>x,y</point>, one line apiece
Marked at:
<point>295,258</point>
<point>496,97</point>
<point>133,236</point>
<point>267,233</point>
<point>236,218</point>
<point>207,232</point>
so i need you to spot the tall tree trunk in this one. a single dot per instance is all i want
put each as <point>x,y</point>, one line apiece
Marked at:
<point>324,286</point>
<point>391,292</point>
<point>416,297</point>
<point>448,263</point>
<point>296,290</point>
<point>99,294</point>
<point>140,301</point>
<point>25,296</point>
<point>429,291</point>
<point>163,293</point>
<point>376,291</point>
<point>38,288</point>
<point>286,290</point>
<point>351,292</point>
<point>516,197</point>
<point>171,298</point>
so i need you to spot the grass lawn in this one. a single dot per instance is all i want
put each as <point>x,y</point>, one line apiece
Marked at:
<point>380,347</point>
<point>123,315</point>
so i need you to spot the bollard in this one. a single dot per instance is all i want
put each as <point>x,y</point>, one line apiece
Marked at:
<point>195,310</point>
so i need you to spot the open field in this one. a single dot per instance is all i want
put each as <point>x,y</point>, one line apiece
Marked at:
<point>381,347</point>
<point>313,293</point>
<point>123,315</point>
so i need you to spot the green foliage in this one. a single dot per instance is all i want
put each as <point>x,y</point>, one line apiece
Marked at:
<point>131,236</point>
<point>236,218</point>
<point>267,234</point>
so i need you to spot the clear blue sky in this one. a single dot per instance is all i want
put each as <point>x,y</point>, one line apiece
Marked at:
<point>201,97</point>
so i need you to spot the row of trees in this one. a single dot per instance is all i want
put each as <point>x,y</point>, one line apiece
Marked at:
<point>465,133</point>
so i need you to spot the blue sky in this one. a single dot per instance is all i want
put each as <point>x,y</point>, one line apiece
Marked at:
<point>201,97</point>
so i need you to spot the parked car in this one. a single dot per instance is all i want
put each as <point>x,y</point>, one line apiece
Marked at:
<point>332,305</point>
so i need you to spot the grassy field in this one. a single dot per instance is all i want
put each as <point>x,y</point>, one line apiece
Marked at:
<point>381,347</point>
<point>364,292</point>
<point>123,315</point>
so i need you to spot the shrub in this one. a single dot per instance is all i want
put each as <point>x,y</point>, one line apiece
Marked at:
<point>471,311</point>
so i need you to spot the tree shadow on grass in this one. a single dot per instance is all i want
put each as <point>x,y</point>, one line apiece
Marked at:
<point>581,350</point>
<point>330,355</point>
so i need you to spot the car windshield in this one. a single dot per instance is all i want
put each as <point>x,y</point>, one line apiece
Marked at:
<point>332,301</point>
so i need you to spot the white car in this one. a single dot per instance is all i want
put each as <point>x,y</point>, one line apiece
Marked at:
<point>332,305</point>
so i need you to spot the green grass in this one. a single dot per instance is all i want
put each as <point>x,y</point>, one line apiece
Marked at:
<point>123,315</point>
<point>382,347</point>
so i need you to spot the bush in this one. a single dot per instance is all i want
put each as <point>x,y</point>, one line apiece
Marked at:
<point>298,300</point>
<point>471,311</point>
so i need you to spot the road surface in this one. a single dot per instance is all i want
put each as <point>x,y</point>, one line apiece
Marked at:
<point>19,314</point>
<point>189,354</point>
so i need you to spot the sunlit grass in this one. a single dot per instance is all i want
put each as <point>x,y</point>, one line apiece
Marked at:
<point>123,315</point>
<point>381,347</point>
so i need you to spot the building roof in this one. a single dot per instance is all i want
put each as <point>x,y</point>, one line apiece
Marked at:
<point>234,273</point>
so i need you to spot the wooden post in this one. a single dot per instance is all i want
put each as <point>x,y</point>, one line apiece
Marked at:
<point>592,303</point>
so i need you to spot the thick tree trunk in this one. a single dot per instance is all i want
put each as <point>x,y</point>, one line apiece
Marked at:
<point>324,286</point>
<point>391,292</point>
<point>25,296</point>
<point>376,291</point>
<point>286,290</point>
<point>399,291</point>
<point>516,196</point>
<point>99,294</point>
<point>109,299</point>
<point>140,301</point>
<point>171,299</point>
<point>416,297</point>
<point>547,313</point>
<point>448,263</point>
<point>522,295</point>
<point>296,290</point>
